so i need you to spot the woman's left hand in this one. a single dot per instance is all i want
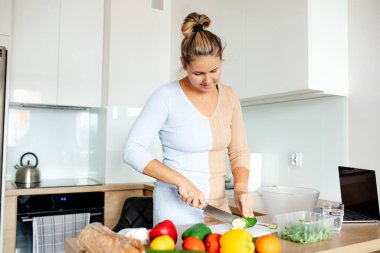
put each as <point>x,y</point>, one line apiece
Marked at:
<point>244,200</point>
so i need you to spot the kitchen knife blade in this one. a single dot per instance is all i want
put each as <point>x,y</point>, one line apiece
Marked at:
<point>219,214</point>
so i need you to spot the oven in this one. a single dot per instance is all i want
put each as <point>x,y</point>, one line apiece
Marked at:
<point>29,206</point>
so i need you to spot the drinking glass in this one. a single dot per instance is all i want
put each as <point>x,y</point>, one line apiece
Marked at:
<point>337,210</point>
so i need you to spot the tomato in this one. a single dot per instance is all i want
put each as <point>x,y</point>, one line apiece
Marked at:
<point>163,242</point>
<point>236,240</point>
<point>212,243</point>
<point>193,243</point>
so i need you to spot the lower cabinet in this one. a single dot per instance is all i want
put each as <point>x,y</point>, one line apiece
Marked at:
<point>114,198</point>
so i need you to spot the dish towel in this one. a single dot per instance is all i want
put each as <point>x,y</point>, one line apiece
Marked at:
<point>50,232</point>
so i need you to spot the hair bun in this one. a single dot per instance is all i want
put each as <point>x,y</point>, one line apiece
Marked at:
<point>194,22</point>
<point>197,41</point>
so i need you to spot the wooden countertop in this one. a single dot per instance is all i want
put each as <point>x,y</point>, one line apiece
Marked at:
<point>353,238</point>
<point>11,190</point>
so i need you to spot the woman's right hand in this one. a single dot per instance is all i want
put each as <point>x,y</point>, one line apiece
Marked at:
<point>191,195</point>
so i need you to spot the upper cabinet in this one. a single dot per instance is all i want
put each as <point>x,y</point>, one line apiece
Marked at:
<point>276,50</point>
<point>137,50</point>
<point>56,52</point>
<point>5,17</point>
<point>295,49</point>
<point>5,21</point>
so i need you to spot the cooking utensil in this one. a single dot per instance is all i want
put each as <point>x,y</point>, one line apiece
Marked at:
<point>227,217</point>
<point>219,214</point>
<point>27,174</point>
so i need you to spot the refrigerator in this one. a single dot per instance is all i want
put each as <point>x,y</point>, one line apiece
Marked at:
<point>3,61</point>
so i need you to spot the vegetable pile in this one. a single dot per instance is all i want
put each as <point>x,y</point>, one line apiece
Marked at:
<point>200,238</point>
<point>300,232</point>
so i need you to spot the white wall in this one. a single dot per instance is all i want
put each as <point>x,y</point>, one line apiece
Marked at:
<point>138,58</point>
<point>137,61</point>
<point>4,41</point>
<point>364,88</point>
<point>317,128</point>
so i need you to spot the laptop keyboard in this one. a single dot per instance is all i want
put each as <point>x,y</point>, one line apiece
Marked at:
<point>352,216</point>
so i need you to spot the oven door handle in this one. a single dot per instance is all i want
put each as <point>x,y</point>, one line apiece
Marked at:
<point>28,219</point>
<point>96,214</point>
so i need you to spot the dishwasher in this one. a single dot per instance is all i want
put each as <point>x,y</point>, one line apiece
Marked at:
<point>29,206</point>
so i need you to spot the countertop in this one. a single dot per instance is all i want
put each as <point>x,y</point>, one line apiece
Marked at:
<point>11,190</point>
<point>353,238</point>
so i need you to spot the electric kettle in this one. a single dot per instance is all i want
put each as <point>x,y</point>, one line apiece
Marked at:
<point>27,174</point>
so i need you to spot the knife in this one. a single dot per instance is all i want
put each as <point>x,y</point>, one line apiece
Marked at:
<point>219,214</point>
<point>226,217</point>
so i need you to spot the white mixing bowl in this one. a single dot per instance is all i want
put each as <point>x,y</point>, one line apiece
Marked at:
<point>284,199</point>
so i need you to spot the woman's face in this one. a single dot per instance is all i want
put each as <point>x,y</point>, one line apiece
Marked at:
<point>204,72</point>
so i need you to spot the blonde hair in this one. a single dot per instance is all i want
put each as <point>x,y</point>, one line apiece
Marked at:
<point>197,41</point>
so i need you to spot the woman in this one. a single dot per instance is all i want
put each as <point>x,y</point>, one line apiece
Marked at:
<point>198,120</point>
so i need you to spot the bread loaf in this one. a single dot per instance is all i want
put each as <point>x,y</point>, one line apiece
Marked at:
<point>96,238</point>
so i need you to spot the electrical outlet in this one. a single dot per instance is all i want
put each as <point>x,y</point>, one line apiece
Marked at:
<point>158,4</point>
<point>295,159</point>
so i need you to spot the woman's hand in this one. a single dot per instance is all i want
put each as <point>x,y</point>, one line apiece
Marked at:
<point>191,195</point>
<point>244,200</point>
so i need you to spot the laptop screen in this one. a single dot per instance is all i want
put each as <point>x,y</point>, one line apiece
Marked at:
<point>359,191</point>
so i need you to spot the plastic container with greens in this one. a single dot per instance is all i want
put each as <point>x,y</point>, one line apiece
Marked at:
<point>304,226</point>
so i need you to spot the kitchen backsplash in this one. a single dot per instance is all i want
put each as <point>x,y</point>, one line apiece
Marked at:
<point>89,143</point>
<point>316,128</point>
<point>119,122</point>
<point>69,143</point>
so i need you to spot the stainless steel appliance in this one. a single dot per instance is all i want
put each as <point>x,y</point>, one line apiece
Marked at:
<point>3,64</point>
<point>53,204</point>
<point>27,174</point>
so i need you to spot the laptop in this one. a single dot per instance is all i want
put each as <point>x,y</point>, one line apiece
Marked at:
<point>359,195</point>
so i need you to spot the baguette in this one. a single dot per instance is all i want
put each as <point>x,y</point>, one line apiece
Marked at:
<point>96,238</point>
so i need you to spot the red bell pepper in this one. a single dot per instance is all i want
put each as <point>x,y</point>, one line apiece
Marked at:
<point>212,243</point>
<point>165,227</point>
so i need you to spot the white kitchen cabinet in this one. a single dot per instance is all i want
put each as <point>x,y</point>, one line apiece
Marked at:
<point>295,49</point>
<point>5,16</point>
<point>33,56</point>
<point>80,53</point>
<point>138,51</point>
<point>56,52</point>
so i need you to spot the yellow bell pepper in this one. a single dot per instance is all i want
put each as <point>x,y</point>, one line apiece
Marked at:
<point>237,241</point>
